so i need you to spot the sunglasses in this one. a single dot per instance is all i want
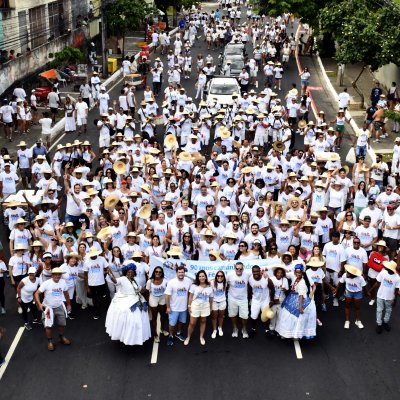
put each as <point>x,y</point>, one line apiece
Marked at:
<point>219,276</point>
<point>239,269</point>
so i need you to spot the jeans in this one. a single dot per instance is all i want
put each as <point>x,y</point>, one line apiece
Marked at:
<point>383,306</point>
<point>361,151</point>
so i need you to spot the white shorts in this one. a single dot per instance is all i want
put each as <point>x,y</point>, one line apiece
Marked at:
<point>200,309</point>
<point>238,307</point>
<point>155,301</point>
<point>285,58</point>
<point>372,273</point>
<point>308,140</point>
<point>219,306</point>
<point>256,307</point>
<point>104,141</point>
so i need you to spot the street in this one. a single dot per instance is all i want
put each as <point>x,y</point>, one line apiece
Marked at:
<point>338,364</point>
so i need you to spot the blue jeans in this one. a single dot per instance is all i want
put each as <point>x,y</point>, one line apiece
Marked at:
<point>383,309</point>
<point>361,151</point>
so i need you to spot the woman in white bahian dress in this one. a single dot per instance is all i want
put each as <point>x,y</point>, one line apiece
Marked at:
<point>127,317</point>
<point>298,317</point>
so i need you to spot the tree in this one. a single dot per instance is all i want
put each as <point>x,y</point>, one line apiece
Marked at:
<point>69,55</point>
<point>163,5</point>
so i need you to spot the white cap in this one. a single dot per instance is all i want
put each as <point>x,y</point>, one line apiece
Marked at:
<point>32,270</point>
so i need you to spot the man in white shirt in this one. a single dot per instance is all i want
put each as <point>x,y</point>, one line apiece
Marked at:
<point>25,164</point>
<point>391,229</point>
<point>46,123</point>
<point>6,116</point>
<point>344,99</point>
<point>82,111</point>
<point>53,101</point>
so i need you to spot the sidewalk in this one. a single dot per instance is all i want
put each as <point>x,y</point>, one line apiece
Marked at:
<point>364,84</point>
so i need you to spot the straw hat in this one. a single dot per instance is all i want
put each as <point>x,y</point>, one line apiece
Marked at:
<point>170,141</point>
<point>144,212</point>
<point>315,262</point>
<point>215,254</point>
<point>267,314</point>
<point>309,224</point>
<point>175,251</point>
<point>119,167</point>
<point>148,159</point>
<point>137,254</point>
<point>57,270</point>
<point>381,243</point>
<point>21,144</point>
<point>236,144</point>
<point>391,265</point>
<point>107,180</point>
<point>13,203</point>
<point>284,222</point>
<point>37,243</point>
<point>292,199</point>
<point>131,234</point>
<point>351,269</point>
<point>104,233</point>
<point>246,170</point>
<point>334,157</point>
<point>145,188</point>
<point>230,235</point>
<point>19,247</point>
<point>196,156</point>
<point>94,252</point>
<point>20,221</point>
<point>302,124</point>
<point>250,111</point>
<point>184,156</point>
<point>282,266</point>
<point>111,201</point>
<point>153,150</point>
<point>208,232</point>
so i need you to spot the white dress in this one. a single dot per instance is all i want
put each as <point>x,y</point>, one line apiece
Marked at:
<point>292,324</point>
<point>127,318</point>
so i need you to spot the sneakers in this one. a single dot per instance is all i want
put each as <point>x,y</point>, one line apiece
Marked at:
<point>214,334</point>
<point>335,302</point>
<point>180,336</point>
<point>378,329</point>
<point>371,302</point>
<point>186,342</point>
<point>235,333</point>
<point>50,345</point>
<point>19,310</point>
<point>165,333</point>
<point>202,341</point>
<point>220,331</point>
<point>170,341</point>
<point>28,326</point>
<point>36,321</point>
<point>3,310</point>
<point>387,327</point>
<point>319,323</point>
<point>96,317</point>
<point>347,325</point>
<point>359,324</point>
<point>83,307</point>
<point>157,339</point>
<point>245,334</point>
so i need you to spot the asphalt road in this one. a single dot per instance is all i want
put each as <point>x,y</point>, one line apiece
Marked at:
<point>338,364</point>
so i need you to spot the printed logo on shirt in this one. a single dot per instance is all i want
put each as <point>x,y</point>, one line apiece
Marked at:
<point>239,284</point>
<point>181,292</point>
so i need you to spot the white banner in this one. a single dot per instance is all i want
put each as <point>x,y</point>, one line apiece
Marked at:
<point>211,267</point>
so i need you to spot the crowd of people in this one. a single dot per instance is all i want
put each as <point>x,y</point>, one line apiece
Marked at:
<point>256,185</point>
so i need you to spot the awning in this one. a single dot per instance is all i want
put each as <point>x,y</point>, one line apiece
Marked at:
<point>50,74</point>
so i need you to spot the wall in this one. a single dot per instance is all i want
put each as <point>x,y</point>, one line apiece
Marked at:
<point>387,74</point>
<point>25,65</point>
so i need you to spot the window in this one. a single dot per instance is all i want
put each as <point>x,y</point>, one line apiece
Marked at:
<point>56,18</point>
<point>37,24</point>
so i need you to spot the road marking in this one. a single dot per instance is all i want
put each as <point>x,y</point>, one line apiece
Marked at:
<point>154,353</point>
<point>64,134</point>
<point>297,349</point>
<point>11,351</point>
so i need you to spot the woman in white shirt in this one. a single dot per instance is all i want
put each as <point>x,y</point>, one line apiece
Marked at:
<point>337,198</point>
<point>218,307</point>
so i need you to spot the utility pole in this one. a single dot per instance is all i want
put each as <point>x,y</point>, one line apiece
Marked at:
<point>103,38</point>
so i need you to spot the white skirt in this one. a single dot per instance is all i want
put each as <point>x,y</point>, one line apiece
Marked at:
<point>130,328</point>
<point>292,324</point>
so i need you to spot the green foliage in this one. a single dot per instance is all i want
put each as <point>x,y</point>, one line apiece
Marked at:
<point>127,14</point>
<point>164,4</point>
<point>393,115</point>
<point>364,32</point>
<point>69,55</point>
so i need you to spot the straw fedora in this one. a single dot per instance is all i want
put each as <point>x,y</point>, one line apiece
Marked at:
<point>334,157</point>
<point>267,314</point>
<point>215,254</point>
<point>94,252</point>
<point>13,203</point>
<point>21,144</point>
<point>20,247</point>
<point>111,201</point>
<point>208,232</point>
<point>57,270</point>
<point>302,124</point>
<point>145,188</point>
<point>292,199</point>
<point>20,221</point>
<point>315,262</point>
<point>196,156</point>
<point>247,170</point>
<point>170,141</point>
<point>308,224</point>
<point>175,251</point>
<point>144,212</point>
<point>104,233</point>
<point>119,167</point>
<point>381,243</point>
<point>236,144</point>
<point>351,269</point>
<point>391,265</point>
<point>148,159</point>
<point>137,254</point>
<point>37,243</point>
<point>230,235</point>
<point>184,156</point>
<point>281,266</point>
<point>225,133</point>
<point>153,150</point>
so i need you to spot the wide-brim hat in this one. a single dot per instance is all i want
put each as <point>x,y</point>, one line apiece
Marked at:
<point>13,203</point>
<point>184,156</point>
<point>104,233</point>
<point>170,141</point>
<point>292,199</point>
<point>37,243</point>
<point>302,124</point>
<point>94,252</point>
<point>208,232</point>
<point>175,251</point>
<point>391,265</point>
<point>315,262</point>
<point>146,188</point>
<point>57,270</point>
<point>119,167</point>
<point>73,255</point>
<point>111,201</point>
<point>21,221</point>
<point>144,212</point>
<point>215,254</point>
<point>351,269</point>
<point>380,243</point>
<point>20,247</point>
<point>230,235</point>
<point>266,314</point>
<point>21,144</point>
<point>246,170</point>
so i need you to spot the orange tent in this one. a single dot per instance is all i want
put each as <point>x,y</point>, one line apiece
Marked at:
<point>50,74</point>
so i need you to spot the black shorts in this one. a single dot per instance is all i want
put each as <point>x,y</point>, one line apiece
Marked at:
<point>9,124</point>
<point>53,110</point>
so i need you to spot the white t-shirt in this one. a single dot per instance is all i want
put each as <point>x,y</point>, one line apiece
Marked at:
<point>334,256</point>
<point>201,294</point>
<point>179,291</point>
<point>366,235</point>
<point>53,292</point>
<point>237,285</point>
<point>260,289</point>
<point>156,290</point>
<point>389,283</point>
<point>356,257</point>
<point>46,125</point>
<point>315,276</point>
<point>95,269</point>
<point>29,289</point>
<point>219,293</point>
<point>353,285</point>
